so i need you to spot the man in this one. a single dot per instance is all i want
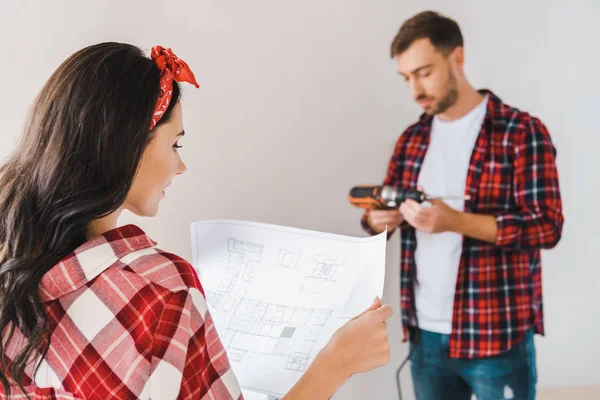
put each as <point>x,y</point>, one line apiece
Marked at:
<point>471,284</point>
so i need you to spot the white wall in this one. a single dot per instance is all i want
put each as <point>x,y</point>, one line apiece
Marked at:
<point>300,101</point>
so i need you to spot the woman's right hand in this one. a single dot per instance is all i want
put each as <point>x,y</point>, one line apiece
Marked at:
<point>362,343</point>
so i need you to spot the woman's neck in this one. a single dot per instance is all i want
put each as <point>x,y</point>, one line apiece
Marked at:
<point>99,226</point>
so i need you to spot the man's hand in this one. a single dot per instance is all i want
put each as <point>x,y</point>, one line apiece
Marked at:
<point>378,219</point>
<point>440,217</point>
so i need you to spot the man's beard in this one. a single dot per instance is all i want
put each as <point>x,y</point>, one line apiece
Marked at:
<point>449,98</point>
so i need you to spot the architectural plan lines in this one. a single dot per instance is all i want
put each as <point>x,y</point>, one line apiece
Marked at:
<point>277,294</point>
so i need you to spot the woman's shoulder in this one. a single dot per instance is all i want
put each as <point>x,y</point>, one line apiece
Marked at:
<point>125,260</point>
<point>141,262</point>
<point>161,268</point>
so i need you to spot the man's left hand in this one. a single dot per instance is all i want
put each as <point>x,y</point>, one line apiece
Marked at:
<point>440,217</point>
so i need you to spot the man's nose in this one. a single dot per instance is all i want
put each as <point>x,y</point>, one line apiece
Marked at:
<point>416,89</point>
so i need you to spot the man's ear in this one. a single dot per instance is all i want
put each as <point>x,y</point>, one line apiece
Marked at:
<point>457,58</point>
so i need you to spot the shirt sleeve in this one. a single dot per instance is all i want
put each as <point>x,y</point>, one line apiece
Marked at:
<point>537,220</point>
<point>188,360</point>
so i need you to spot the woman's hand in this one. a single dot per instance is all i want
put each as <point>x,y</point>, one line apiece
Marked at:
<point>358,346</point>
<point>362,343</point>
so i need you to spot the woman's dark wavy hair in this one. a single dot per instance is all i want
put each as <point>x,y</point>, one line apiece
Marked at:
<point>75,163</point>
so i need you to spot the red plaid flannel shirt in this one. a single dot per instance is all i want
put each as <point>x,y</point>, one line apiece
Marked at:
<point>512,176</point>
<point>128,321</point>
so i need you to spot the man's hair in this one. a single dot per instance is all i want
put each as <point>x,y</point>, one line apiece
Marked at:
<point>444,33</point>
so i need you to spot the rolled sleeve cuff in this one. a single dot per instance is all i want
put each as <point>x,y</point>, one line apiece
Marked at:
<point>509,229</point>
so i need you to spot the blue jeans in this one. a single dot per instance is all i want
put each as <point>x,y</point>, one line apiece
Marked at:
<point>510,375</point>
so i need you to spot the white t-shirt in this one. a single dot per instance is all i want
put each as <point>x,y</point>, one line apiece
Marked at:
<point>444,173</point>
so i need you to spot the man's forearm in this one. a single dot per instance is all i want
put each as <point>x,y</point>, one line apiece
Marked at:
<point>476,226</point>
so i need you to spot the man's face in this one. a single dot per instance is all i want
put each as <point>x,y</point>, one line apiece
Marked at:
<point>429,76</point>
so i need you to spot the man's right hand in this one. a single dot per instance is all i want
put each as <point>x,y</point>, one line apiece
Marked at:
<point>378,219</point>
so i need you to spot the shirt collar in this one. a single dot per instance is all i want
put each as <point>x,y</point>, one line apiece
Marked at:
<point>494,107</point>
<point>91,259</point>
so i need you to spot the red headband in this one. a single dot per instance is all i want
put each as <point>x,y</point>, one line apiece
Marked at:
<point>171,68</point>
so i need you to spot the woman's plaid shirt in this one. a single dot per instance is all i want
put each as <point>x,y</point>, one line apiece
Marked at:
<point>127,321</point>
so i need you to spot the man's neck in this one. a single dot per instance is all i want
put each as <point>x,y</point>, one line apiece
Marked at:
<point>468,99</point>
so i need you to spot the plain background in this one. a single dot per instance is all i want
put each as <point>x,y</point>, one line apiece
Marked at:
<point>299,101</point>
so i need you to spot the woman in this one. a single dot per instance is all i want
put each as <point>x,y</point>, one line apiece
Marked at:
<point>92,310</point>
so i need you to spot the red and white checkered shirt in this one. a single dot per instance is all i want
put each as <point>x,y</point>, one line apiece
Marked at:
<point>127,321</point>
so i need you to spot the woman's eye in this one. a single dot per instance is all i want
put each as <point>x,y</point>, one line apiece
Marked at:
<point>177,146</point>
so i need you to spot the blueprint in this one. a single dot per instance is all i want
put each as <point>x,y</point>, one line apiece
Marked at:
<point>277,294</point>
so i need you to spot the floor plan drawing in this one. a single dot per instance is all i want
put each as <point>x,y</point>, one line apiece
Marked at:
<point>271,329</point>
<point>277,294</point>
<point>288,259</point>
<point>242,263</point>
<point>326,267</point>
